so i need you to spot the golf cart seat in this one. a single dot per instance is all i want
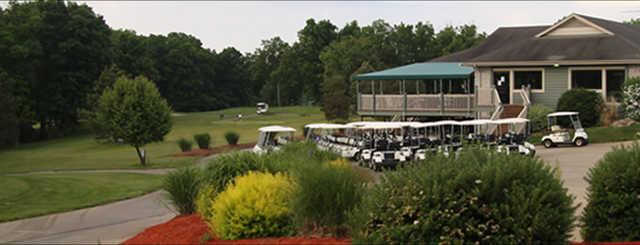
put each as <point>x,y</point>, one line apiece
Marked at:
<point>557,128</point>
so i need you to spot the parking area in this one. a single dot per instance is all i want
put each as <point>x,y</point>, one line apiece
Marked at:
<point>574,163</point>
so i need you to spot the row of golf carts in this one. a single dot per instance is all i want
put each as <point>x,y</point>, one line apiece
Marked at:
<point>379,145</point>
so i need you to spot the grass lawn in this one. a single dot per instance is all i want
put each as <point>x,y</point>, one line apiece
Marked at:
<point>32,195</point>
<point>83,152</point>
<point>601,134</point>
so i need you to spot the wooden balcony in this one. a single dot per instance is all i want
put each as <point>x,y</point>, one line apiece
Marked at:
<point>416,104</point>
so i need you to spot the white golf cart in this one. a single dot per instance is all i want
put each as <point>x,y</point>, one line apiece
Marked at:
<point>270,138</point>
<point>561,136</point>
<point>333,137</point>
<point>262,108</point>
<point>514,140</point>
<point>385,138</point>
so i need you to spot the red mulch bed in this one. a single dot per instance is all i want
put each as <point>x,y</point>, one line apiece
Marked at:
<point>605,243</point>
<point>189,229</point>
<point>214,150</point>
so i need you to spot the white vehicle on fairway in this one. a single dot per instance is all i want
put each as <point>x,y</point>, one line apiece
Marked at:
<point>262,108</point>
<point>270,138</point>
<point>561,136</point>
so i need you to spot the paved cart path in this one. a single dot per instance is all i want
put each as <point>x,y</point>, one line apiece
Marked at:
<point>105,224</point>
<point>574,164</point>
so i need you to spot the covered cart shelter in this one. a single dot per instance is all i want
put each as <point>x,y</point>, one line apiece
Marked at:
<point>417,90</point>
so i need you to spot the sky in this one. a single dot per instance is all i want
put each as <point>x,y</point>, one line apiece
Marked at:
<point>243,25</point>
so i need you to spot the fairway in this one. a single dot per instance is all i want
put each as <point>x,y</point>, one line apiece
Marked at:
<point>33,195</point>
<point>84,152</point>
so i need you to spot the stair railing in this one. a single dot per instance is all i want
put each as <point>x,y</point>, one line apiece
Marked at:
<point>491,128</point>
<point>525,94</point>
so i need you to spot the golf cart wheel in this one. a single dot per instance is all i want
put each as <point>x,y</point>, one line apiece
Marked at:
<point>580,142</point>
<point>547,144</point>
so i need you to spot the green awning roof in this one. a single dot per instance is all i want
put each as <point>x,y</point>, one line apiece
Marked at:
<point>426,70</point>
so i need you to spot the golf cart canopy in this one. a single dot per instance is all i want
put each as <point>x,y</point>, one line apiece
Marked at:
<point>563,113</point>
<point>327,126</point>
<point>475,122</point>
<point>445,122</point>
<point>510,120</point>
<point>269,129</point>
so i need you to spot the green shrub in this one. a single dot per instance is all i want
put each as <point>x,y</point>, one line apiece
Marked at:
<point>538,117</point>
<point>185,144</point>
<point>255,205</point>
<point>223,169</point>
<point>631,98</point>
<point>478,197</point>
<point>588,103</point>
<point>203,140</point>
<point>232,137</point>
<point>613,197</point>
<point>324,196</point>
<point>183,185</point>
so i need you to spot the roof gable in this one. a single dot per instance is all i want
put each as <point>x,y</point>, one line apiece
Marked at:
<point>574,25</point>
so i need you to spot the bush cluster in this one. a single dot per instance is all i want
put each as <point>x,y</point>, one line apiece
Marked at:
<point>478,197</point>
<point>324,196</point>
<point>538,117</point>
<point>631,98</point>
<point>183,186</point>
<point>232,137</point>
<point>255,205</point>
<point>185,144</point>
<point>588,103</point>
<point>203,140</point>
<point>613,196</point>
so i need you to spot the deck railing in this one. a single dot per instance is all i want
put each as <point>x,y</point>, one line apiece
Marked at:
<point>416,103</point>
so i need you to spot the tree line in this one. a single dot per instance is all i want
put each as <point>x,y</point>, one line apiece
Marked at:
<point>58,57</point>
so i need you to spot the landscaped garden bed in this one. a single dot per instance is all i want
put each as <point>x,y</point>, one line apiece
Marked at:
<point>476,196</point>
<point>214,150</point>
<point>191,229</point>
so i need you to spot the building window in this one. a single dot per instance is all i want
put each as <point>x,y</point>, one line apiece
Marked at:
<point>588,79</point>
<point>615,79</point>
<point>524,78</point>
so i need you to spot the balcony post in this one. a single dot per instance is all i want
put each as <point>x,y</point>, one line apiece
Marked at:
<point>404,108</point>
<point>373,91</point>
<point>358,95</point>
<point>441,98</point>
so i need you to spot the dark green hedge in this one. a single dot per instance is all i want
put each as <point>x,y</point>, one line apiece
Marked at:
<point>477,197</point>
<point>588,103</point>
<point>613,208</point>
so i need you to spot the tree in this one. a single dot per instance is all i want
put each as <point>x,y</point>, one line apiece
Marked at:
<point>262,63</point>
<point>313,38</point>
<point>55,49</point>
<point>336,101</point>
<point>9,132</point>
<point>134,112</point>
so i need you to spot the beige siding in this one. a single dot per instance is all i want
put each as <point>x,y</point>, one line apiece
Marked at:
<point>483,86</point>
<point>633,71</point>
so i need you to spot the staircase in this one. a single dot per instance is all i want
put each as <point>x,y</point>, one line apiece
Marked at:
<point>510,111</point>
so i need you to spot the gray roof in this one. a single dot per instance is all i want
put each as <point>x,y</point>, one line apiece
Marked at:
<point>521,44</point>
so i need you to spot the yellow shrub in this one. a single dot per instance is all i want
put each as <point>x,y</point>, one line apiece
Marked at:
<point>255,205</point>
<point>340,162</point>
<point>204,202</point>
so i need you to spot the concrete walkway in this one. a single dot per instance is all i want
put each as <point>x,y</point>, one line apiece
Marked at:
<point>574,164</point>
<point>109,224</point>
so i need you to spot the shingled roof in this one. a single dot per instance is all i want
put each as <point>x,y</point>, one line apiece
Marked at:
<point>617,42</point>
